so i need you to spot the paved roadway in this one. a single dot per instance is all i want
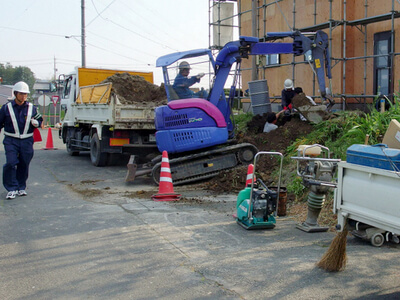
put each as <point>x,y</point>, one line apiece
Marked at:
<point>82,233</point>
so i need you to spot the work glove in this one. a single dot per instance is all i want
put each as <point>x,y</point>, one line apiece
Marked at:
<point>287,110</point>
<point>200,75</point>
<point>35,123</point>
<point>290,106</point>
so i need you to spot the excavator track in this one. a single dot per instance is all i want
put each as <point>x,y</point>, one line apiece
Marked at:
<point>199,166</point>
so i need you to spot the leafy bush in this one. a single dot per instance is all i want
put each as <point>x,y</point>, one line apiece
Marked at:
<point>349,128</point>
<point>241,120</point>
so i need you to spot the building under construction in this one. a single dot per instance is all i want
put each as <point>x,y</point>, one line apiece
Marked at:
<point>363,45</point>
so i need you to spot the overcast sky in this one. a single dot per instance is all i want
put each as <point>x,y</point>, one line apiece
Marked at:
<point>120,34</point>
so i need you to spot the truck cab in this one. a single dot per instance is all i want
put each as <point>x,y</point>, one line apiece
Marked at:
<point>68,97</point>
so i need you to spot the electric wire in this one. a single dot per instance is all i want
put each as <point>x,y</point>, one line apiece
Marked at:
<point>99,14</point>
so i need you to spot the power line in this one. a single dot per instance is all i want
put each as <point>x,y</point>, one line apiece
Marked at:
<point>99,14</point>
<point>123,45</point>
<point>30,31</point>
<point>142,36</point>
<point>117,54</point>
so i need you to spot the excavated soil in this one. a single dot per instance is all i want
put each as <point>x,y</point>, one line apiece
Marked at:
<point>300,100</point>
<point>303,105</point>
<point>134,89</point>
<point>275,141</point>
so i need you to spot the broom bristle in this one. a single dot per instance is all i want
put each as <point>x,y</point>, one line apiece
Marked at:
<point>334,259</point>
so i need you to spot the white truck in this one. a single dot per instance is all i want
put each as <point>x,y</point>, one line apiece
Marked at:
<point>95,119</point>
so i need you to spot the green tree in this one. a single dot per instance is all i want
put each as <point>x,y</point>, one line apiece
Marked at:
<point>12,75</point>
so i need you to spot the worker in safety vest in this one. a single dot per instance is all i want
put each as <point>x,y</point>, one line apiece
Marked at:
<point>18,118</point>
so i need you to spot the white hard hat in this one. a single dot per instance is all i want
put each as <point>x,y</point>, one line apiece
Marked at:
<point>184,65</point>
<point>288,84</point>
<point>21,87</point>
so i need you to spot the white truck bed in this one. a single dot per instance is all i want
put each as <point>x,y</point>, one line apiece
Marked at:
<point>96,104</point>
<point>368,195</point>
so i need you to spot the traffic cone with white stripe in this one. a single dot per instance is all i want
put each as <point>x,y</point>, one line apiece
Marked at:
<point>166,188</point>
<point>49,141</point>
<point>250,171</point>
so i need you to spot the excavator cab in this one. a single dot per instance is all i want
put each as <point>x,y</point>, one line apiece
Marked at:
<point>190,121</point>
<point>198,61</point>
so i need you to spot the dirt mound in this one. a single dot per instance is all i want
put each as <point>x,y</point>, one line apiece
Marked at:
<point>275,141</point>
<point>300,100</point>
<point>134,89</point>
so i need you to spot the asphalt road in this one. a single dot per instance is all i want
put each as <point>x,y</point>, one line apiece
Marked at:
<point>83,233</point>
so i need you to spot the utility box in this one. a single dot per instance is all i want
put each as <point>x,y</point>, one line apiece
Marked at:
<point>259,96</point>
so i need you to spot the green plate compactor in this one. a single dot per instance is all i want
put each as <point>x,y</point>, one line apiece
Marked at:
<point>257,204</point>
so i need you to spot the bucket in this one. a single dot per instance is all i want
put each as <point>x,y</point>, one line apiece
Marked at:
<point>282,200</point>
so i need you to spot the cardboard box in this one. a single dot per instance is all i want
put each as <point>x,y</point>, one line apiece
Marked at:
<point>392,135</point>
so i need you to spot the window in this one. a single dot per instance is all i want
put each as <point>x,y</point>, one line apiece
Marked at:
<point>382,63</point>
<point>272,59</point>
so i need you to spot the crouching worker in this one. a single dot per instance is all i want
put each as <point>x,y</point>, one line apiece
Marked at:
<point>18,118</point>
<point>272,118</point>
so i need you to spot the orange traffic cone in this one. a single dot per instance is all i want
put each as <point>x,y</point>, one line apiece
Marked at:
<point>250,171</point>
<point>165,189</point>
<point>49,141</point>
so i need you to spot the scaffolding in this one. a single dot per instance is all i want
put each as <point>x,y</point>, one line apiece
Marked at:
<point>259,24</point>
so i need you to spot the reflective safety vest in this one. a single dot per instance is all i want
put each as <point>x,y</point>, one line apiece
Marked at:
<point>16,133</point>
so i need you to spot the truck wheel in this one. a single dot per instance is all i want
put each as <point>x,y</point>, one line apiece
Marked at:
<point>98,158</point>
<point>69,149</point>
<point>377,239</point>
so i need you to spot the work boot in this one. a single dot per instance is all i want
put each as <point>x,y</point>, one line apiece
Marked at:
<point>11,195</point>
<point>22,193</point>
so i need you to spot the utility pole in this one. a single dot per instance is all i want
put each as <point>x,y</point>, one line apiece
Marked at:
<point>83,42</point>
<point>55,69</point>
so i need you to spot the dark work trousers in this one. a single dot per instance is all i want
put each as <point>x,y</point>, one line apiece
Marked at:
<point>19,153</point>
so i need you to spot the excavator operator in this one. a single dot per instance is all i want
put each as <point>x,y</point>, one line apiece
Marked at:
<point>182,83</point>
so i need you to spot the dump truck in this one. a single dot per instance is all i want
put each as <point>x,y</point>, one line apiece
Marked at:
<point>107,117</point>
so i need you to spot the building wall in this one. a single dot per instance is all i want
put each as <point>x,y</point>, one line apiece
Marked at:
<point>352,77</point>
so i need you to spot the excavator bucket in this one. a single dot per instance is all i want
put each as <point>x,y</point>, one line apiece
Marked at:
<point>313,113</point>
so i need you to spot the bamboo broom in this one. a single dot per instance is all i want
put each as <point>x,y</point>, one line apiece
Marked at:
<point>335,258</point>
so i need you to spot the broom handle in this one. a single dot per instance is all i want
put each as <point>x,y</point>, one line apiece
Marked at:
<point>366,139</point>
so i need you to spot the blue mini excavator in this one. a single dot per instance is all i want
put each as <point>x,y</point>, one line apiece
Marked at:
<point>198,134</point>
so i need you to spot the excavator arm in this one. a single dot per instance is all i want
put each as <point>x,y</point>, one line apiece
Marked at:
<point>318,44</point>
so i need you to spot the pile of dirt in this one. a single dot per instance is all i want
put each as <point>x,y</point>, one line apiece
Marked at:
<point>300,99</point>
<point>134,89</point>
<point>304,106</point>
<point>274,141</point>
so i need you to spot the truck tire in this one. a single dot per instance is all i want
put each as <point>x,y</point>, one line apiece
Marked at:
<point>377,239</point>
<point>98,158</point>
<point>69,149</point>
